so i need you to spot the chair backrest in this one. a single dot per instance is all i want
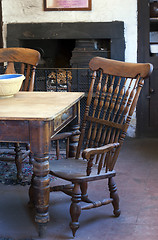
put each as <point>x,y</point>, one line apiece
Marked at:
<point>21,60</point>
<point>108,112</point>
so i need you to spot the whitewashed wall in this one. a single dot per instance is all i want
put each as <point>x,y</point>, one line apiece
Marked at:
<point>31,11</point>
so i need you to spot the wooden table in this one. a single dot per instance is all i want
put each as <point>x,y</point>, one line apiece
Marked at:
<point>33,117</point>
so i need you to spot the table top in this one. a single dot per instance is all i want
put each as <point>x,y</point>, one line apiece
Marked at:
<point>37,105</point>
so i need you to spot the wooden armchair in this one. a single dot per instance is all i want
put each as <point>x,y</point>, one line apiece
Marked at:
<point>108,112</point>
<point>24,61</point>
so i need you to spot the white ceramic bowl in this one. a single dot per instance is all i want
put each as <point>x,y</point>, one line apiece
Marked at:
<point>10,84</point>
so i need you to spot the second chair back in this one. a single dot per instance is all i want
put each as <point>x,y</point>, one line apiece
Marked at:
<point>21,60</point>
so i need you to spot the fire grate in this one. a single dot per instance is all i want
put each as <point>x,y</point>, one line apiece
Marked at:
<point>62,79</point>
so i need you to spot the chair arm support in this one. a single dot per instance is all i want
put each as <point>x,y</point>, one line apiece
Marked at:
<point>87,153</point>
<point>65,135</point>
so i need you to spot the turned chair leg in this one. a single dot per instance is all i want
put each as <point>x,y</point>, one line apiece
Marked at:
<point>57,149</point>
<point>114,195</point>
<point>30,153</point>
<point>84,195</point>
<point>18,160</point>
<point>75,208</point>
<point>31,202</point>
<point>67,148</point>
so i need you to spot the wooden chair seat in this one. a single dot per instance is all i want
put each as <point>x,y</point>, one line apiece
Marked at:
<point>74,170</point>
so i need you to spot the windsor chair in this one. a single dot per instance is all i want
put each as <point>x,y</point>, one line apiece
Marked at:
<point>111,101</point>
<point>24,61</point>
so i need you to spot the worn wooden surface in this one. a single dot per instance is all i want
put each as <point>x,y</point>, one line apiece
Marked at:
<point>123,69</point>
<point>23,55</point>
<point>37,105</point>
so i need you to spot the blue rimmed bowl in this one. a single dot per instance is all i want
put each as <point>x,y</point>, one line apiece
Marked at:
<point>10,84</point>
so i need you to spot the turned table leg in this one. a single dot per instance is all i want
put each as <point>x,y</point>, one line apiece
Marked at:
<point>39,190</point>
<point>18,160</point>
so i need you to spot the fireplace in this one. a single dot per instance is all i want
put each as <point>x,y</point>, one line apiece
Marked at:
<point>70,45</point>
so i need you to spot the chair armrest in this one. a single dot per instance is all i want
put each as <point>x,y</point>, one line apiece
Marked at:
<point>87,153</point>
<point>65,135</point>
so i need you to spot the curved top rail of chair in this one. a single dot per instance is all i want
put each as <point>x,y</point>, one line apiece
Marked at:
<point>24,55</point>
<point>119,68</point>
